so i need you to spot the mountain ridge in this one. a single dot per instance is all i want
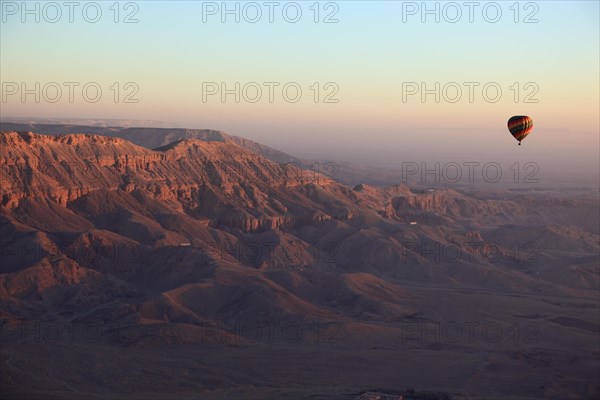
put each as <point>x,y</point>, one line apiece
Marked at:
<point>153,137</point>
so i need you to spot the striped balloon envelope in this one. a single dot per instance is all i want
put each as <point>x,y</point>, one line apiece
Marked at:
<point>520,126</point>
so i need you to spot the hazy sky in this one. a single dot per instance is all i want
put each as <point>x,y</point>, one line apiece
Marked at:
<point>376,58</point>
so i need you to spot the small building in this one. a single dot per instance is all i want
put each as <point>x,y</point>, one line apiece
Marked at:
<point>413,222</point>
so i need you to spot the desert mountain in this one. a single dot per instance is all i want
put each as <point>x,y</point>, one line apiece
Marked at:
<point>154,137</point>
<point>158,242</point>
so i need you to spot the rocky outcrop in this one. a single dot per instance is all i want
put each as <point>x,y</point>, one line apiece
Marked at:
<point>217,180</point>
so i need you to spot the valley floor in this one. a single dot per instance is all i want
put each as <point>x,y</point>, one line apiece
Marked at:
<point>522,347</point>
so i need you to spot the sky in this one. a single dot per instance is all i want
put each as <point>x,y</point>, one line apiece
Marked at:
<point>344,78</point>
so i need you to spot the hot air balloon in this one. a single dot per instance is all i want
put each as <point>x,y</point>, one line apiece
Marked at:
<point>520,126</point>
